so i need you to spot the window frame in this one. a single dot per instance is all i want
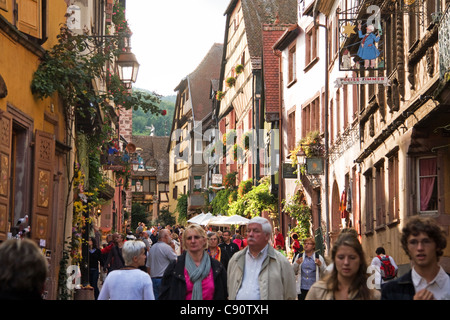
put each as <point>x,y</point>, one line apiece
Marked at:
<point>292,65</point>
<point>311,46</point>
<point>436,186</point>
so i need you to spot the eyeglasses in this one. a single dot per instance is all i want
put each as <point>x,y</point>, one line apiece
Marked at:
<point>424,242</point>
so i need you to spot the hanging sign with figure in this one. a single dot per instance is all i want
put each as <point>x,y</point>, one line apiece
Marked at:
<point>362,42</point>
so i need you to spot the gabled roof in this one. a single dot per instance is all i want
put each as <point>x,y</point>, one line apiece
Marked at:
<point>199,85</point>
<point>154,153</point>
<point>200,81</point>
<point>259,12</point>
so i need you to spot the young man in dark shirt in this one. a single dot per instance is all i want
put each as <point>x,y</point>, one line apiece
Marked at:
<point>227,245</point>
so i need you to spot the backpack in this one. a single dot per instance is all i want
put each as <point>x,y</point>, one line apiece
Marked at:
<point>387,269</point>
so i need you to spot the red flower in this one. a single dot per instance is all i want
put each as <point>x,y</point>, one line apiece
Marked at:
<point>163,112</point>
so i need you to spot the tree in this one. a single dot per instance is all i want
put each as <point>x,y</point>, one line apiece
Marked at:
<point>142,122</point>
<point>165,217</point>
<point>138,214</point>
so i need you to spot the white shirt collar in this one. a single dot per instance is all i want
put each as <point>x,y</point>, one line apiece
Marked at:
<point>262,253</point>
<point>439,280</point>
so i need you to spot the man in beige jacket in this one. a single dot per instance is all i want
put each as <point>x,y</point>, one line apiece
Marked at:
<point>259,272</point>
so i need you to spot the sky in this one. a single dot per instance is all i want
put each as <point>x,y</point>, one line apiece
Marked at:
<point>171,37</point>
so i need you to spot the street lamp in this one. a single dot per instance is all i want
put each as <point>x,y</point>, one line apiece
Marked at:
<point>135,164</point>
<point>127,66</point>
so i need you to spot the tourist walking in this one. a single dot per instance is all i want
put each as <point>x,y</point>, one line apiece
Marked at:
<point>259,272</point>
<point>161,254</point>
<point>95,262</point>
<point>215,251</point>
<point>228,245</point>
<point>348,278</point>
<point>308,267</point>
<point>385,267</point>
<point>278,239</point>
<point>129,282</point>
<point>195,275</point>
<point>424,242</point>
<point>115,261</point>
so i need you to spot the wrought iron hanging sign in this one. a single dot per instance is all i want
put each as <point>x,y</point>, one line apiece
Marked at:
<point>362,43</point>
<point>362,47</point>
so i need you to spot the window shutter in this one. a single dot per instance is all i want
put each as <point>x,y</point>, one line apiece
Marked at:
<point>5,172</point>
<point>29,18</point>
<point>44,154</point>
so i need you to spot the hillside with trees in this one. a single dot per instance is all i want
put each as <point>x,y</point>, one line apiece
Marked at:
<point>143,122</point>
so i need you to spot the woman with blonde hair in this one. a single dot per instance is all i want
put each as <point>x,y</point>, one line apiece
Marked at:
<point>195,275</point>
<point>348,279</point>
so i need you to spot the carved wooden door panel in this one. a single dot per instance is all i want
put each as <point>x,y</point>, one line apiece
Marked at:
<point>44,154</point>
<point>5,172</point>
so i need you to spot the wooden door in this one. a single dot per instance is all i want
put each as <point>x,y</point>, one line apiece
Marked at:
<point>5,172</point>
<point>44,154</point>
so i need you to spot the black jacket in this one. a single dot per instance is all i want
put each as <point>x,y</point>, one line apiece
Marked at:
<point>399,289</point>
<point>173,283</point>
<point>231,248</point>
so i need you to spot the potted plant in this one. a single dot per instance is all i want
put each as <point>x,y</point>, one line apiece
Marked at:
<point>231,81</point>
<point>220,95</point>
<point>239,69</point>
<point>246,140</point>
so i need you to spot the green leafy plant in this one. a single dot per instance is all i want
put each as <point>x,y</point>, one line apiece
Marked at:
<point>297,209</point>
<point>220,95</point>
<point>63,290</point>
<point>244,187</point>
<point>230,81</point>
<point>165,217</point>
<point>181,208</point>
<point>309,146</point>
<point>138,214</point>
<point>237,151</point>
<point>255,201</point>
<point>220,204</point>
<point>239,69</point>
<point>246,139</point>
<point>230,180</point>
<point>118,18</point>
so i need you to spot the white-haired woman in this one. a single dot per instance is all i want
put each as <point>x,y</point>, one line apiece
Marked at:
<point>130,282</point>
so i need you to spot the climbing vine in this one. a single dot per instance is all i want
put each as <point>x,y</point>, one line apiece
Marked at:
<point>299,210</point>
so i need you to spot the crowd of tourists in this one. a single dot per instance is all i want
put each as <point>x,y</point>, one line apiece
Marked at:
<point>194,263</point>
